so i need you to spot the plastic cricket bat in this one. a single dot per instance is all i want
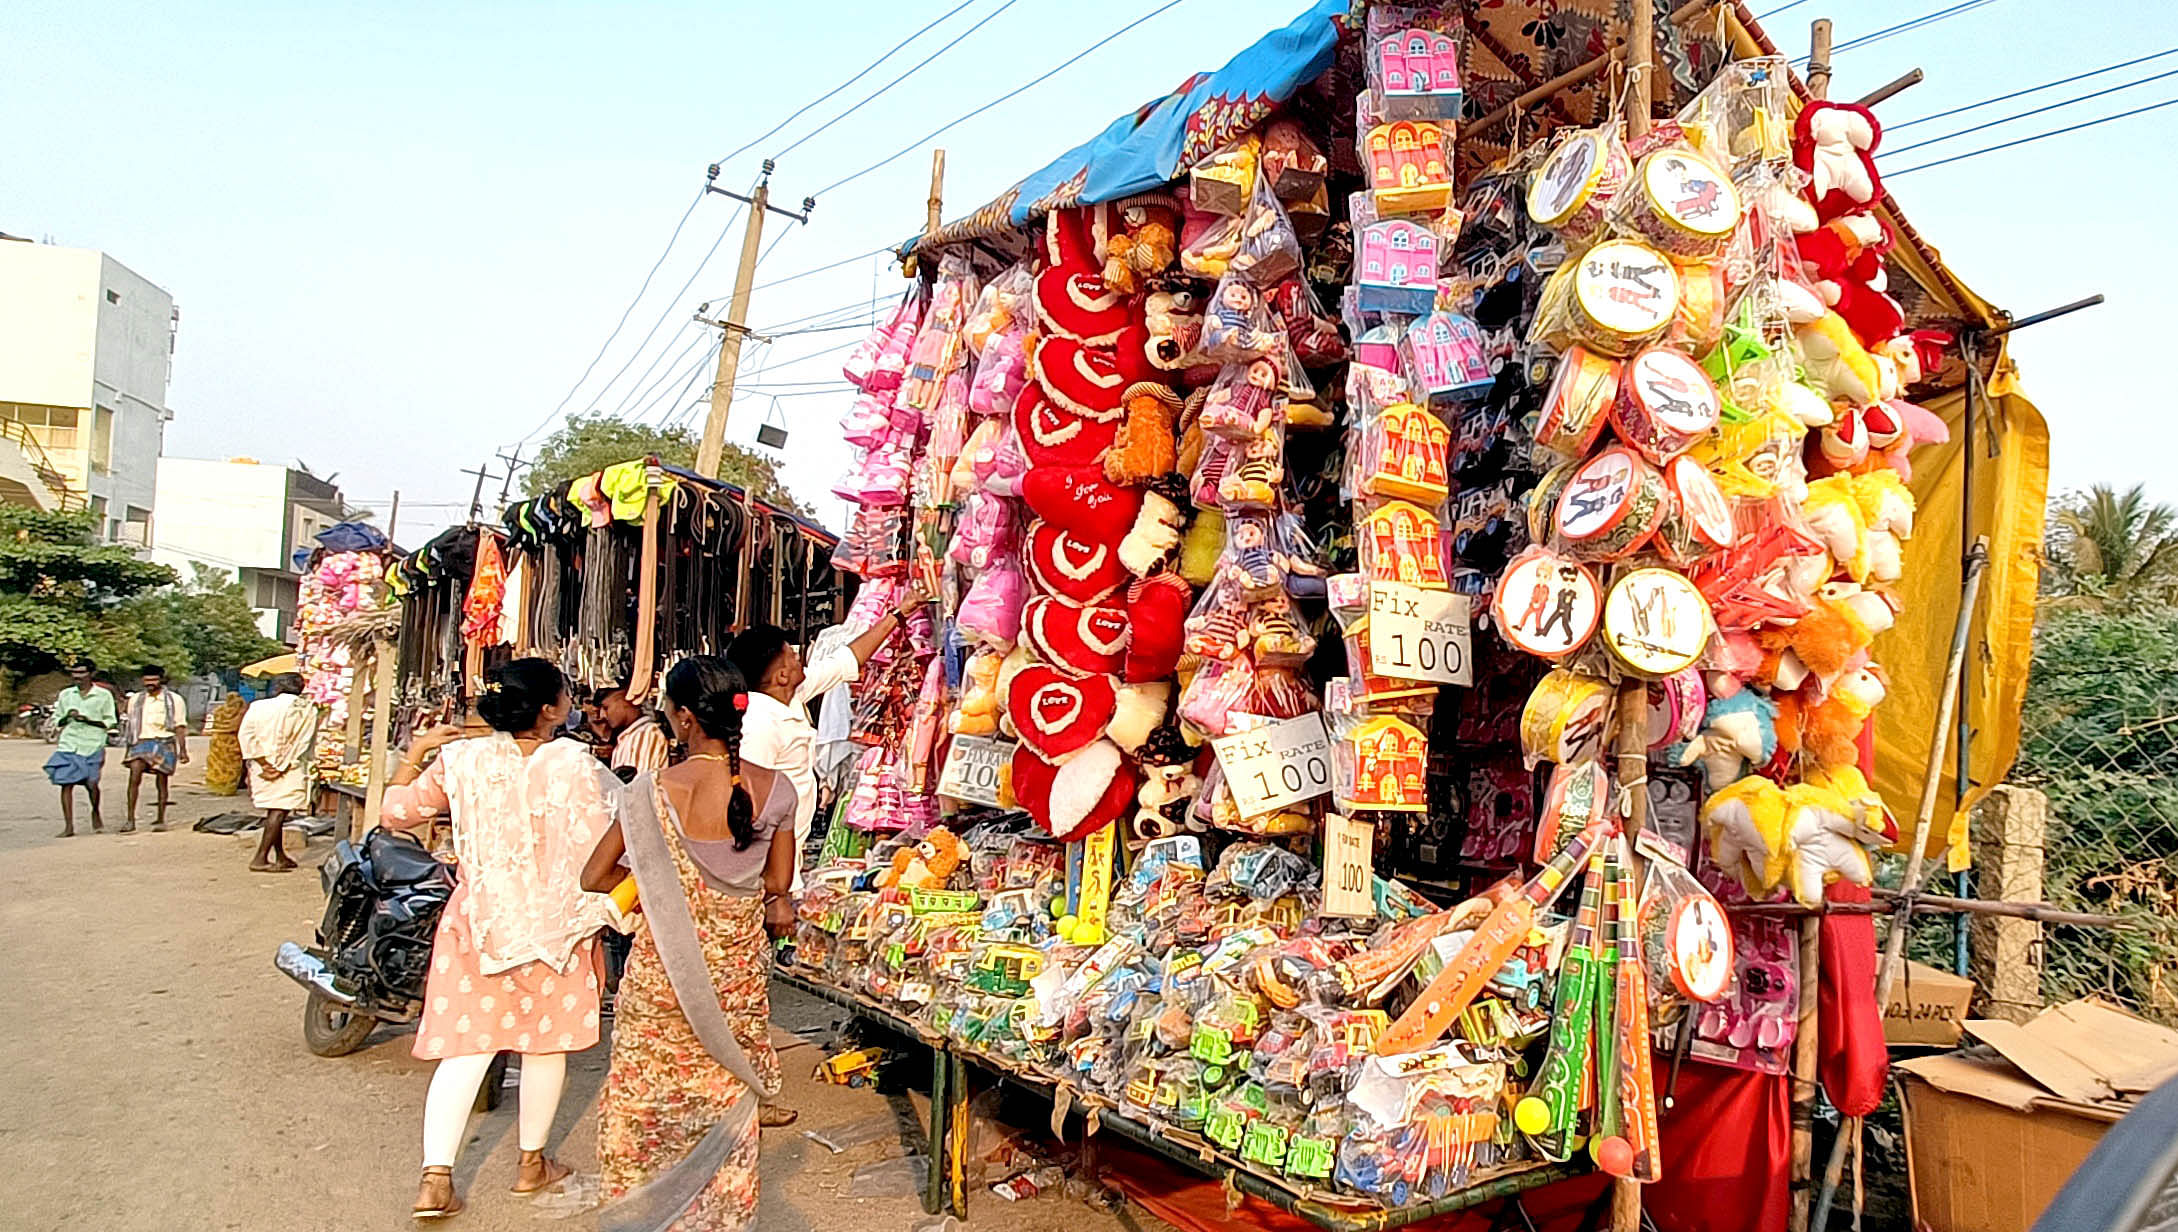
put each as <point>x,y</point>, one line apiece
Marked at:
<point>1463,978</point>
<point>1549,1112</point>
<point>1604,1075</point>
<point>1643,1158</point>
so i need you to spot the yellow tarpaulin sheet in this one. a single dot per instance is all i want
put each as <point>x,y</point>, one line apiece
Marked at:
<point>2010,483</point>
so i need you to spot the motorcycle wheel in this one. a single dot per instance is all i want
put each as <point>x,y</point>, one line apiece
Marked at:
<point>331,1029</point>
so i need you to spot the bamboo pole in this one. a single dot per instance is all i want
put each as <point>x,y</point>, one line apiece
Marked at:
<point>1574,76</point>
<point>1889,89</point>
<point>1890,901</point>
<point>1632,756</point>
<point>1818,59</point>
<point>936,215</point>
<point>374,781</point>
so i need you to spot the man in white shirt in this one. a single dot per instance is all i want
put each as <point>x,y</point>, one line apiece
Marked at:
<point>776,732</point>
<point>157,737</point>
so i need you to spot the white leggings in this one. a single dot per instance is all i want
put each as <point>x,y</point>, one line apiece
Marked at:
<point>453,1092</point>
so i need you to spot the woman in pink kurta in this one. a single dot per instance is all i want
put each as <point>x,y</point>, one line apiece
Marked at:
<point>515,966</point>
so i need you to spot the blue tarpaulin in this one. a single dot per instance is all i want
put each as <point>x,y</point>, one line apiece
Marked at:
<point>1149,147</point>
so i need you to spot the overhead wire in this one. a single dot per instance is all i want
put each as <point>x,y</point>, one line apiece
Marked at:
<point>675,300</point>
<point>2055,132</point>
<point>918,67</point>
<point>1889,129</point>
<point>1925,19</point>
<point>860,256</point>
<point>1076,58</point>
<point>2024,114</point>
<point>871,67</point>
<point>643,398</point>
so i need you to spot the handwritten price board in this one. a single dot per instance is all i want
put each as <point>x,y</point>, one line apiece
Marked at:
<point>1279,764</point>
<point>1419,634</point>
<point>972,767</point>
<point>1349,871</point>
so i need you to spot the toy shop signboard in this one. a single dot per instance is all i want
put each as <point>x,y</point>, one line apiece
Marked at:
<point>1417,634</point>
<point>972,767</point>
<point>1277,765</point>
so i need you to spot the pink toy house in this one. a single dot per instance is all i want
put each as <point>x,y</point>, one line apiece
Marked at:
<point>1418,75</point>
<point>1397,267</point>
<point>1446,348</point>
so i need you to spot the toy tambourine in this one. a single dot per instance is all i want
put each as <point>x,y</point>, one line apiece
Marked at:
<point>1682,204</point>
<point>1611,505</point>
<point>1655,623</point>
<point>1547,604</point>
<point>1700,522</point>
<point>1623,295</point>
<point>1572,191</point>
<point>1665,403</point>
<point>1685,932</point>
<point>1676,706</point>
<point>1542,499</point>
<point>1580,396</point>
<point>1565,718</point>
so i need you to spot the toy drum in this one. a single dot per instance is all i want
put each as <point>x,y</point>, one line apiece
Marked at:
<point>1682,204</point>
<point>1699,323</point>
<point>1623,295</point>
<point>1700,521</point>
<point>1676,705</point>
<point>1542,499</point>
<point>1665,403</point>
<point>1572,191</point>
<point>1611,505</point>
<point>1655,623</point>
<point>1565,718</point>
<point>1547,604</point>
<point>1580,397</point>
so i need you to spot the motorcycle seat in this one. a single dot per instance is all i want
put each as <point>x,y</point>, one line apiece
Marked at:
<point>397,859</point>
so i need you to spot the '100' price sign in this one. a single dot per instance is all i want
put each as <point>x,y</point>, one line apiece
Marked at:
<point>972,766</point>
<point>1419,634</point>
<point>1276,765</point>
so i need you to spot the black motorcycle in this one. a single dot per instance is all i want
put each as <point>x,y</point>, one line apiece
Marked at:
<point>373,948</point>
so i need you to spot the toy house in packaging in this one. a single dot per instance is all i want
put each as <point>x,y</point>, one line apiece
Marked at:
<point>1446,348</point>
<point>1418,75</point>
<point>1408,451</point>
<point>1401,543</point>
<point>1409,172</point>
<point>1397,267</point>
<point>1391,761</point>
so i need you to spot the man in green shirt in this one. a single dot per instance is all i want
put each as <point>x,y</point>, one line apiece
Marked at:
<point>85,714</point>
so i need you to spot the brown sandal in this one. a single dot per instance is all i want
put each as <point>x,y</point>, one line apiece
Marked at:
<point>549,1172</point>
<point>773,1116</point>
<point>428,1204</point>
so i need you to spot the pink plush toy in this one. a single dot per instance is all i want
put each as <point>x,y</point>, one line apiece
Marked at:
<point>1000,374</point>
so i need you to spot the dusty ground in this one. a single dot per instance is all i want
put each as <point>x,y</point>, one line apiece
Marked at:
<point>155,1076</point>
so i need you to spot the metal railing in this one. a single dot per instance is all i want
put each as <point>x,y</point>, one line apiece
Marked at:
<point>68,497</point>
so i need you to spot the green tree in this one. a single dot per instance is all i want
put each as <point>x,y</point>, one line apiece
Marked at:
<point>212,621</point>
<point>65,596</point>
<point>2106,547</point>
<point>590,443</point>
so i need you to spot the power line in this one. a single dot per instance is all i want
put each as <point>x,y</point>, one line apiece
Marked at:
<point>642,398</point>
<point>1779,9</point>
<point>1023,88</point>
<point>2047,85</point>
<point>701,193</point>
<point>919,66</point>
<point>834,91</point>
<point>860,256</point>
<point>1925,19</point>
<point>673,302</point>
<point>679,383</point>
<point>2055,132</point>
<point>2034,112</point>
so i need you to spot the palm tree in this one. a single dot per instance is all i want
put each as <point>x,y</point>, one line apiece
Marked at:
<point>2106,547</point>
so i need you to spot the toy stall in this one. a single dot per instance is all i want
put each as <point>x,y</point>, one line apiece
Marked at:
<point>1425,521</point>
<point>343,611</point>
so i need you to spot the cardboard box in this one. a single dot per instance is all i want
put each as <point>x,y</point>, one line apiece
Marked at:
<point>1993,1133</point>
<point>1927,1007</point>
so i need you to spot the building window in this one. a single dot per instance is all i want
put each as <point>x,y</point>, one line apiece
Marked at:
<point>53,427</point>
<point>136,527</point>
<point>102,439</point>
<point>112,296</point>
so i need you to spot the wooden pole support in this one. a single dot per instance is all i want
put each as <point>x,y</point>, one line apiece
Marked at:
<point>729,351</point>
<point>1897,85</point>
<point>1631,753</point>
<point>936,215</point>
<point>1641,62</point>
<point>374,781</point>
<point>1818,59</point>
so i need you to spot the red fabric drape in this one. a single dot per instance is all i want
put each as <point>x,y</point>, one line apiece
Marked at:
<point>1727,1152</point>
<point>1854,1059</point>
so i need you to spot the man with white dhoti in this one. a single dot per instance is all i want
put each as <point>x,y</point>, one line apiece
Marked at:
<point>276,737</point>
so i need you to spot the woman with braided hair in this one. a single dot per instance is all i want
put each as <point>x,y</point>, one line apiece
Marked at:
<point>710,843</point>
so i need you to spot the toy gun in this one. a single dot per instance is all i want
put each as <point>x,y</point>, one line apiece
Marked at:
<point>1548,1113</point>
<point>1463,978</point>
<point>1635,1151</point>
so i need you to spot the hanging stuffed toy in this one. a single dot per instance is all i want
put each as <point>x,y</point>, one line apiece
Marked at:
<point>1155,535</point>
<point>1835,143</point>
<point>1747,827</point>
<point>1053,435</point>
<point>1156,608</point>
<point>1144,447</point>
<point>1737,731</point>
<point>1074,800</point>
<point>1145,243</point>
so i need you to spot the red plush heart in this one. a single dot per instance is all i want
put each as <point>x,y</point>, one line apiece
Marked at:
<point>1051,435</point>
<point>1077,304</point>
<point>1156,612</point>
<point>1071,569</point>
<point>1081,502</point>
<point>1082,639</point>
<point>1073,235</point>
<point>1087,380</point>
<point>1077,799</point>
<point>1058,713</point>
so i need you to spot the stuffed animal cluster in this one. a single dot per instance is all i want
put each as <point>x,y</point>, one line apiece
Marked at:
<point>339,586</point>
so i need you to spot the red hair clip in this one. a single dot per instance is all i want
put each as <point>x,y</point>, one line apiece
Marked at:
<point>741,701</point>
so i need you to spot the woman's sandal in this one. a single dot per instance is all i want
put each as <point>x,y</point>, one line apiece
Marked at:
<point>538,1173</point>
<point>772,1116</point>
<point>430,1204</point>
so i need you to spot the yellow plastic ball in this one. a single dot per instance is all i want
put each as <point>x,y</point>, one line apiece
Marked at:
<point>1066,926</point>
<point>1531,1115</point>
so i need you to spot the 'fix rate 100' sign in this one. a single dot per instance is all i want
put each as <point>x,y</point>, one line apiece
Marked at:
<point>972,767</point>
<point>1276,765</point>
<point>1419,634</point>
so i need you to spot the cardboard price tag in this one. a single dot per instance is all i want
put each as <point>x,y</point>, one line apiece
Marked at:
<point>972,767</point>
<point>1276,765</point>
<point>1349,870</point>
<point>1419,634</point>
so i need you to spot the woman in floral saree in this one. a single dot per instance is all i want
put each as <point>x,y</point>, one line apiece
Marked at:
<point>692,1056</point>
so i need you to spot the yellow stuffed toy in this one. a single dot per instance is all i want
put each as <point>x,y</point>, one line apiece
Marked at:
<point>1836,361</point>
<point>977,714</point>
<point>1822,834</point>
<point>1835,517</point>
<point>1746,825</point>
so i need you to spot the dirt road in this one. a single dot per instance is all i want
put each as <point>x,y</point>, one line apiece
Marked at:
<point>155,1076</point>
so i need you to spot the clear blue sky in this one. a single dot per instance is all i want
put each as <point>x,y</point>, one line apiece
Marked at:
<point>398,231</point>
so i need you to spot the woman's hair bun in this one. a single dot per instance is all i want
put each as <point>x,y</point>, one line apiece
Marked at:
<point>518,692</point>
<point>711,689</point>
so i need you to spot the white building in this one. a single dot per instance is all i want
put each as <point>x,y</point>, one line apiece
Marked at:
<point>86,347</point>
<point>247,519</point>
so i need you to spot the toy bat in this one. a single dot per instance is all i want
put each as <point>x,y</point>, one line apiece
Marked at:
<point>1604,1075</point>
<point>1464,977</point>
<point>1635,1152</point>
<point>1548,1113</point>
